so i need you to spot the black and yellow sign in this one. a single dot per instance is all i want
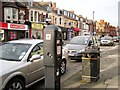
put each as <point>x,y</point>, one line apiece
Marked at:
<point>37,26</point>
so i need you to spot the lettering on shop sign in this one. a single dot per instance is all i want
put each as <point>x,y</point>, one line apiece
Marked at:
<point>37,26</point>
<point>17,26</point>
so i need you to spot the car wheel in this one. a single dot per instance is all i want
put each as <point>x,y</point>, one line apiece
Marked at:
<point>15,84</point>
<point>62,67</point>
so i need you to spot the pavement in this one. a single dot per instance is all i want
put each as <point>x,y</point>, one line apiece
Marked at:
<point>109,77</point>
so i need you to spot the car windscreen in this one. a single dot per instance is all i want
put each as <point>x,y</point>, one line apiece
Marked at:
<point>13,51</point>
<point>79,40</point>
<point>115,37</point>
<point>106,38</point>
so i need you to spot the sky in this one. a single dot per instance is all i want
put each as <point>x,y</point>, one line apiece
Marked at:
<point>103,9</point>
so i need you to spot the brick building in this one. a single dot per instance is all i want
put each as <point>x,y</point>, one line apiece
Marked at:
<point>12,23</point>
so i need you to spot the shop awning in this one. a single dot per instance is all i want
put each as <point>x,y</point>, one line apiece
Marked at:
<point>63,29</point>
<point>113,34</point>
<point>76,29</point>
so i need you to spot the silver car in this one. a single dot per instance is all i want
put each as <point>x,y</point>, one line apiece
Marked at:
<point>79,44</point>
<point>21,63</point>
<point>106,40</point>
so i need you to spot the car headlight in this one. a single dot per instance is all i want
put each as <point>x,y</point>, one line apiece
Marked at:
<point>108,41</point>
<point>81,50</point>
<point>64,50</point>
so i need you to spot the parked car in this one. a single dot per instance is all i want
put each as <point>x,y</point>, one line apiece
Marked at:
<point>116,38</point>
<point>79,44</point>
<point>107,40</point>
<point>22,63</point>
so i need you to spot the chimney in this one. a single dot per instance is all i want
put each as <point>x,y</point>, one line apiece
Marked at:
<point>72,11</point>
<point>53,6</point>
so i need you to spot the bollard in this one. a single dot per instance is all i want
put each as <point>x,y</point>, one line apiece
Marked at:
<point>90,65</point>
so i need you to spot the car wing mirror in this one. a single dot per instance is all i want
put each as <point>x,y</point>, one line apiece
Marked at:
<point>90,43</point>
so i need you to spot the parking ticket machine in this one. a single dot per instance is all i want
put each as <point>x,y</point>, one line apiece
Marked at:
<point>52,56</point>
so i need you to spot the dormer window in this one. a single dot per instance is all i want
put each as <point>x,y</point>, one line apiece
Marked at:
<point>65,13</point>
<point>73,16</point>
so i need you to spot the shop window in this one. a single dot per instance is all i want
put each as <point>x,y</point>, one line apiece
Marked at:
<point>1,35</point>
<point>12,35</point>
<point>27,34</point>
<point>22,34</point>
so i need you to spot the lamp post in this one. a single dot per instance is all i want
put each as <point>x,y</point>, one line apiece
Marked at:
<point>93,22</point>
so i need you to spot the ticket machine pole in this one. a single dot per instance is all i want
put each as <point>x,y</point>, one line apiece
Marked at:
<point>52,56</point>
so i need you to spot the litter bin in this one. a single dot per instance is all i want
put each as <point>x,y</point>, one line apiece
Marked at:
<point>90,65</point>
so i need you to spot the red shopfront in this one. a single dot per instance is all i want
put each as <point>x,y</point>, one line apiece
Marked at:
<point>11,31</point>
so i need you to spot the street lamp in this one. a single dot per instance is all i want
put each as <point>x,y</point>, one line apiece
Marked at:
<point>93,22</point>
<point>93,15</point>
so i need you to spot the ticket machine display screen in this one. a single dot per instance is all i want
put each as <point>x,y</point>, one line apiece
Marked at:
<point>58,50</point>
<point>58,47</point>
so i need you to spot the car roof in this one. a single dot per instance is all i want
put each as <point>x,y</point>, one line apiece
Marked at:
<point>82,37</point>
<point>27,41</point>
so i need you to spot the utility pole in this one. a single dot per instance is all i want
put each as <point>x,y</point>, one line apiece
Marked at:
<point>93,22</point>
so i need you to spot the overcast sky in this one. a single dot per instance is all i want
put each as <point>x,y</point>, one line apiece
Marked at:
<point>104,9</point>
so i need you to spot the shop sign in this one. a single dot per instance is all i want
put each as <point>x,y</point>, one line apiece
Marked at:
<point>17,26</point>
<point>3,25</point>
<point>37,26</point>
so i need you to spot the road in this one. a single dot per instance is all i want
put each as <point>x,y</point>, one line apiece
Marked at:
<point>72,67</point>
<point>108,70</point>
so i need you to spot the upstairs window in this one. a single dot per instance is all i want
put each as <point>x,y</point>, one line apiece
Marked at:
<point>60,21</point>
<point>22,13</point>
<point>39,17</point>
<point>55,20</point>
<point>35,19</point>
<point>11,14</point>
<point>31,14</point>
<point>14,12</point>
